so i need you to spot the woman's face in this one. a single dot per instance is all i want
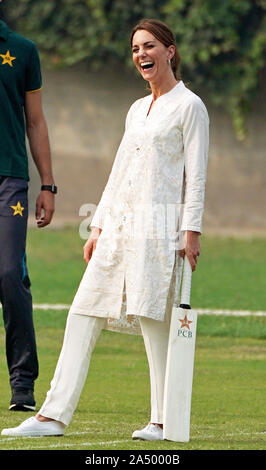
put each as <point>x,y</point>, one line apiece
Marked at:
<point>150,56</point>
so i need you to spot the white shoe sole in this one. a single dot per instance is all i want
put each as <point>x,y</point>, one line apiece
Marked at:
<point>8,432</point>
<point>31,427</point>
<point>148,438</point>
<point>16,407</point>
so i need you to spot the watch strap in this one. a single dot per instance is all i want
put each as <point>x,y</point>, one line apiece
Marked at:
<point>49,187</point>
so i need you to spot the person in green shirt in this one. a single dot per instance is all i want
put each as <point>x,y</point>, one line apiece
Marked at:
<point>21,114</point>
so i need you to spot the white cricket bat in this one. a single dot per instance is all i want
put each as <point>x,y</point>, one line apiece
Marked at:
<point>180,365</point>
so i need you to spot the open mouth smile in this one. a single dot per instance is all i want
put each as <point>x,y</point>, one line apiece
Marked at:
<point>148,65</point>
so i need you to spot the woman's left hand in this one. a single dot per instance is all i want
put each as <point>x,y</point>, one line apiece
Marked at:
<point>192,248</point>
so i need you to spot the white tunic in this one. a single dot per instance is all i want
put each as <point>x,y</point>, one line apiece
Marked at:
<point>160,164</point>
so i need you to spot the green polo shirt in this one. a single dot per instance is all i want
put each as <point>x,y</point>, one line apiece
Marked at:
<point>20,73</point>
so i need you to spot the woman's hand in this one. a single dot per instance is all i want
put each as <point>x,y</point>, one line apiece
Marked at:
<point>91,243</point>
<point>192,248</point>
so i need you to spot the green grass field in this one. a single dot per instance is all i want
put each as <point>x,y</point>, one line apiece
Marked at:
<point>229,400</point>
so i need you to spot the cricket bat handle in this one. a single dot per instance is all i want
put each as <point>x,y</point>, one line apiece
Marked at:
<point>186,284</point>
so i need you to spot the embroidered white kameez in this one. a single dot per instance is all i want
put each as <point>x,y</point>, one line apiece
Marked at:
<point>155,189</point>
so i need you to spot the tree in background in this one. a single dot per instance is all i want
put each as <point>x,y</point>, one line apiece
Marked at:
<point>68,31</point>
<point>222,44</point>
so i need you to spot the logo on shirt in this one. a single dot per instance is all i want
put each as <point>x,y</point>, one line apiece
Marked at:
<point>18,209</point>
<point>7,59</point>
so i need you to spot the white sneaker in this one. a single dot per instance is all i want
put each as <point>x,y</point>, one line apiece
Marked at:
<point>152,432</point>
<point>33,427</point>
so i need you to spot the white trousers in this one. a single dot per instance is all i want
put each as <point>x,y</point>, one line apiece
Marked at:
<point>81,335</point>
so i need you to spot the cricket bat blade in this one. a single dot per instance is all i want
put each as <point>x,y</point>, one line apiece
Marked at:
<point>180,366</point>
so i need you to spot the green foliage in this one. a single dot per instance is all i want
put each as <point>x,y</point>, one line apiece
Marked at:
<point>68,31</point>
<point>222,44</point>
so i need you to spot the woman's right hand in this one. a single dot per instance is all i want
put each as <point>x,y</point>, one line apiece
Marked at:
<point>91,243</point>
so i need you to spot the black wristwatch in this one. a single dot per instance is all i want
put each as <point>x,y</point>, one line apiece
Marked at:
<point>49,187</point>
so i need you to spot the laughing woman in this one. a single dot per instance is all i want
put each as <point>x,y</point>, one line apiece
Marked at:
<point>161,163</point>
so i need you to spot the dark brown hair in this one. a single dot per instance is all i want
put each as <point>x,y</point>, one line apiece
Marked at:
<point>164,34</point>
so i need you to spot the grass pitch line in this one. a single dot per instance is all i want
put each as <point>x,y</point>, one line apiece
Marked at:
<point>76,444</point>
<point>236,313</point>
<point>107,443</point>
<point>51,306</point>
<point>74,433</point>
<point>69,434</point>
<point>202,311</point>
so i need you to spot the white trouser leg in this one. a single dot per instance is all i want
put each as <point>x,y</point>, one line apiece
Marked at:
<point>155,335</point>
<point>81,334</point>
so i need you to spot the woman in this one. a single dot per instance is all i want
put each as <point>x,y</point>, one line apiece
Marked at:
<point>161,162</point>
